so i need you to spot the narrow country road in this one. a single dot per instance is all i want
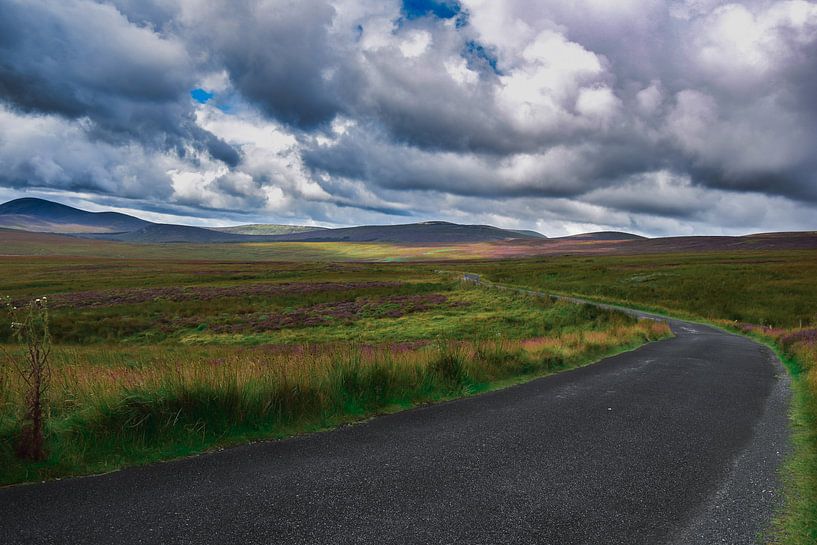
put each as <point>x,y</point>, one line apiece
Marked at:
<point>676,442</point>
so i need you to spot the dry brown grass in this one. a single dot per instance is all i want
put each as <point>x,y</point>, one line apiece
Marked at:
<point>116,405</point>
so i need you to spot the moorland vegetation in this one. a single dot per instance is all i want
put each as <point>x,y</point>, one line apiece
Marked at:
<point>157,359</point>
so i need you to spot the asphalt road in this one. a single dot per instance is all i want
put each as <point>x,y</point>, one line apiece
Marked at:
<point>676,442</point>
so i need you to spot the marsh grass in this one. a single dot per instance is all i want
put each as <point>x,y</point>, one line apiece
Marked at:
<point>113,406</point>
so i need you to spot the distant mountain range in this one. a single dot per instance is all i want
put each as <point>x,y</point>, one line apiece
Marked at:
<point>39,227</point>
<point>39,215</point>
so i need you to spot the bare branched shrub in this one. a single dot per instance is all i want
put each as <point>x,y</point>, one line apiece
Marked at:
<point>29,327</point>
<point>4,387</point>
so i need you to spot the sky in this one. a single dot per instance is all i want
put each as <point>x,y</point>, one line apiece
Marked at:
<point>660,118</point>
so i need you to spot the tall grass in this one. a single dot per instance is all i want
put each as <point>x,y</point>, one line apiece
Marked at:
<point>113,406</point>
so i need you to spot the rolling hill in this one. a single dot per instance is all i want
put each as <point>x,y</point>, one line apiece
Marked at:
<point>417,233</point>
<point>603,235</point>
<point>411,233</point>
<point>42,216</point>
<point>266,229</point>
<point>168,232</point>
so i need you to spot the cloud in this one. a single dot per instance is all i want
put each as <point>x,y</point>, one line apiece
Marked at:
<point>279,55</point>
<point>681,116</point>
<point>86,61</point>
<point>47,151</point>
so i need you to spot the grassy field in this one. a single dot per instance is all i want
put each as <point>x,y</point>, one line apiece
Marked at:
<point>769,295</point>
<point>764,288</point>
<point>158,359</point>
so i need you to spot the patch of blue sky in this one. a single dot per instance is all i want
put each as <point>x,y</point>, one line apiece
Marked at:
<point>480,58</point>
<point>442,9</point>
<point>201,96</point>
<point>227,102</point>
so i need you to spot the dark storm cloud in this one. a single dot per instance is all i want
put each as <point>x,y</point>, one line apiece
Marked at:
<point>86,61</point>
<point>279,56</point>
<point>567,170</point>
<point>65,59</point>
<point>635,113</point>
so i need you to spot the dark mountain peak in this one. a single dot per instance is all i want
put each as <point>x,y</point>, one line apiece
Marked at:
<point>32,214</point>
<point>31,205</point>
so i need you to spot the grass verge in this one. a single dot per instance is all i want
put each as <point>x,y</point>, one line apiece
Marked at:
<point>796,520</point>
<point>137,411</point>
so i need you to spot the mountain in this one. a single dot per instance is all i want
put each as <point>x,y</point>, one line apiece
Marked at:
<point>39,215</point>
<point>266,229</point>
<point>417,233</point>
<point>603,235</point>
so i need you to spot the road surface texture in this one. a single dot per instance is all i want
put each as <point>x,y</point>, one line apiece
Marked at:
<point>676,442</point>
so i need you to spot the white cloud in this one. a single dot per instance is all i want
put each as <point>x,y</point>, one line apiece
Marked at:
<point>415,43</point>
<point>270,157</point>
<point>459,71</point>
<point>50,151</point>
<point>735,46</point>
<point>600,104</point>
<point>547,77</point>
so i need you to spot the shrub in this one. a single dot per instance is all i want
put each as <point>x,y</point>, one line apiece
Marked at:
<point>30,328</point>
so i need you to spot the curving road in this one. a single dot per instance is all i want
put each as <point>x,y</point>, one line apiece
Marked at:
<point>676,442</point>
